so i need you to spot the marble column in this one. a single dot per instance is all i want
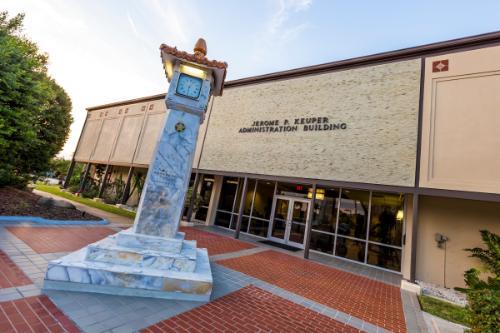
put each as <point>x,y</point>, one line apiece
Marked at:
<point>162,200</point>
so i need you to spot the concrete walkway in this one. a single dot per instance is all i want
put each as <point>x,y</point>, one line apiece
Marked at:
<point>110,217</point>
<point>439,325</point>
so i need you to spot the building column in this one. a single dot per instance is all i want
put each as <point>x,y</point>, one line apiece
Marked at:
<point>194,192</point>
<point>414,231</point>
<point>309,223</point>
<point>83,181</point>
<point>126,191</point>
<point>69,174</point>
<point>242,207</point>
<point>104,180</point>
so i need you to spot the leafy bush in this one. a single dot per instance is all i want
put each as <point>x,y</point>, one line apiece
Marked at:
<point>114,191</point>
<point>91,189</point>
<point>8,176</point>
<point>484,311</point>
<point>483,295</point>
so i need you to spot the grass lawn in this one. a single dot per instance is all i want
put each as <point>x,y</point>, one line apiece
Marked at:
<point>54,189</point>
<point>443,309</point>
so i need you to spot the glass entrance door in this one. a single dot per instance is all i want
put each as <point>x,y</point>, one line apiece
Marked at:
<point>289,220</point>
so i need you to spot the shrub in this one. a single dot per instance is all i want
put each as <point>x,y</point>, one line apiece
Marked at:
<point>483,295</point>
<point>484,311</point>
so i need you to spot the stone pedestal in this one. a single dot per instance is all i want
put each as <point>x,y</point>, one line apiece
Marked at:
<point>135,265</point>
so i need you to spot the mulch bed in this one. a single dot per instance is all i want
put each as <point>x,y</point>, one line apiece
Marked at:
<point>15,202</point>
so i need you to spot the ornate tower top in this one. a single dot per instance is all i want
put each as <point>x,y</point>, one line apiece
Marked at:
<point>171,56</point>
<point>200,48</point>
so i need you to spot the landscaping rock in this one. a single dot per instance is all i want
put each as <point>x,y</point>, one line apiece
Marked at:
<point>447,294</point>
<point>63,204</point>
<point>46,202</point>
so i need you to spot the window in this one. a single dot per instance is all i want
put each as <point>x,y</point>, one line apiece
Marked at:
<point>228,193</point>
<point>321,241</point>
<point>359,225</point>
<point>207,185</point>
<point>386,223</point>
<point>227,198</point>
<point>223,219</point>
<point>324,219</point>
<point>249,197</point>
<point>261,208</point>
<point>325,210</point>
<point>350,249</point>
<point>353,213</point>
<point>384,256</point>
<point>257,209</point>
<point>263,202</point>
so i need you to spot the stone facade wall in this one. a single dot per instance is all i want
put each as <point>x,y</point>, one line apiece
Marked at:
<point>378,105</point>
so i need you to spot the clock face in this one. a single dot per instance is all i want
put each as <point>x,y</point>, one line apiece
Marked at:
<point>189,86</point>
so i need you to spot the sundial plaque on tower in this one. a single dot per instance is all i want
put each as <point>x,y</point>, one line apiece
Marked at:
<point>152,259</point>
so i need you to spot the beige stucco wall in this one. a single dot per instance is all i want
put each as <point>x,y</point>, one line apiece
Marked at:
<point>461,118</point>
<point>89,136</point>
<point>122,134</point>
<point>379,104</point>
<point>153,124</point>
<point>459,220</point>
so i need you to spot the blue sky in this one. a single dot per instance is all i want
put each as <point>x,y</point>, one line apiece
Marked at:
<point>105,51</point>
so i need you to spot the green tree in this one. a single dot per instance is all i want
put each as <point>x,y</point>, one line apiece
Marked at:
<point>58,167</point>
<point>35,112</point>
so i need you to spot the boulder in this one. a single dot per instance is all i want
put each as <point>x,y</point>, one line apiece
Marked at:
<point>63,204</point>
<point>44,201</point>
<point>49,202</point>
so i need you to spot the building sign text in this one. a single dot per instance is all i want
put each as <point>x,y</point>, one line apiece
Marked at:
<point>309,124</point>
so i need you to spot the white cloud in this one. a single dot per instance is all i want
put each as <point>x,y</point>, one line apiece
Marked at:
<point>281,29</point>
<point>285,8</point>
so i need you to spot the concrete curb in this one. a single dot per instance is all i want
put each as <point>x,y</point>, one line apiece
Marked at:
<point>41,220</point>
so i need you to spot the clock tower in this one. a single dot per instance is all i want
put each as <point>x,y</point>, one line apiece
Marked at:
<point>193,80</point>
<point>152,259</point>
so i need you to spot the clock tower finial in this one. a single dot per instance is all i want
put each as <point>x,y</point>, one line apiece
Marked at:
<point>200,48</point>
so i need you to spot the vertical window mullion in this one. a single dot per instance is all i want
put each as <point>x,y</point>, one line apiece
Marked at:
<point>251,206</point>
<point>234,203</point>
<point>337,221</point>
<point>368,226</point>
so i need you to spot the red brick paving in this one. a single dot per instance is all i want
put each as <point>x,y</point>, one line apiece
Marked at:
<point>10,274</point>
<point>215,244</point>
<point>59,239</point>
<point>33,314</point>
<point>369,300</point>
<point>250,309</point>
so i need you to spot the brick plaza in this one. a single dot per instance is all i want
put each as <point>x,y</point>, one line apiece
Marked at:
<point>256,288</point>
